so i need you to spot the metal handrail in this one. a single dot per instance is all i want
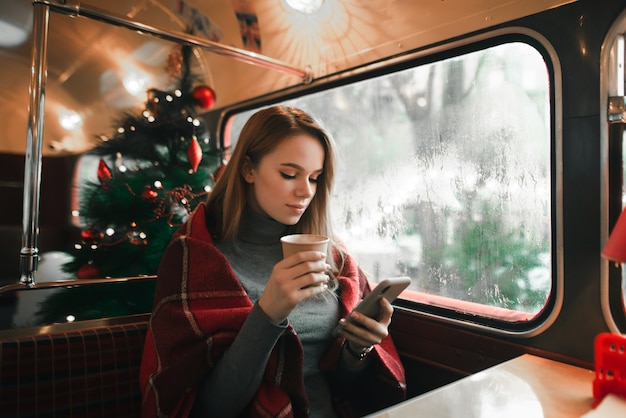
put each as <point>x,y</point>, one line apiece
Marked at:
<point>29,254</point>
<point>73,283</point>
<point>62,6</point>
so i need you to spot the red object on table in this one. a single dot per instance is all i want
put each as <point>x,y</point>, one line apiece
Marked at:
<point>610,365</point>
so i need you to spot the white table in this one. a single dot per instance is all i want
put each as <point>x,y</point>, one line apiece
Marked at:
<point>525,387</point>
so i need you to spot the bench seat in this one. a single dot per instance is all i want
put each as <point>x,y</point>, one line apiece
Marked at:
<point>87,369</point>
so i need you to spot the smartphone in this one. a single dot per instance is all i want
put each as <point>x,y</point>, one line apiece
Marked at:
<point>388,288</point>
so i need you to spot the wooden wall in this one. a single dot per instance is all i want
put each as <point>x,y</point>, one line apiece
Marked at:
<point>435,353</point>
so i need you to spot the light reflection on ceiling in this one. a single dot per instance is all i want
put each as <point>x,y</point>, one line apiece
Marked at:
<point>331,39</point>
<point>96,70</point>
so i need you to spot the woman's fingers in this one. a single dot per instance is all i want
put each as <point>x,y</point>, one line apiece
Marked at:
<point>314,288</point>
<point>294,279</point>
<point>364,328</point>
<point>365,331</point>
<point>307,269</point>
<point>358,336</point>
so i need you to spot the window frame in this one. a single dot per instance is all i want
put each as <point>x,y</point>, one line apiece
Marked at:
<point>519,324</point>
<point>613,297</point>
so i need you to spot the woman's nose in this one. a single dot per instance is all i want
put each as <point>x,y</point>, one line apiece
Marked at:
<point>305,189</point>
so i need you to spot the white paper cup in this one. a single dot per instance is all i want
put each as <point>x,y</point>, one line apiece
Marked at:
<point>303,242</point>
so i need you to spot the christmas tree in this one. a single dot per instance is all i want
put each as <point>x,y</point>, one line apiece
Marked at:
<point>152,173</point>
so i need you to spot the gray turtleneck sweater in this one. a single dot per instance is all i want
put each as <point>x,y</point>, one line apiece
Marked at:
<point>236,376</point>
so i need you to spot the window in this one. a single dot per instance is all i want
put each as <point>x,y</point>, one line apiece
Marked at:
<point>445,176</point>
<point>614,154</point>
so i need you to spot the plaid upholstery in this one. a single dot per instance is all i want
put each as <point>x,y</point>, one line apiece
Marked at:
<point>90,372</point>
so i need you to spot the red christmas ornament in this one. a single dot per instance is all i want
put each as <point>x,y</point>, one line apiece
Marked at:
<point>204,96</point>
<point>104,174</point>
<point>149,194</point>
<point>91,235</point>
<point>194,153</point>
<point>88,271</point>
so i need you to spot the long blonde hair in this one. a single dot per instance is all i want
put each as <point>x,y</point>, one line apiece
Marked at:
<point>261,134</point>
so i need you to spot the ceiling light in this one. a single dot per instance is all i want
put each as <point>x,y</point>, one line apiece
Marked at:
<point>305,6</point>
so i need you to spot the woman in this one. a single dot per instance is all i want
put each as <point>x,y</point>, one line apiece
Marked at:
<point>236,330</point>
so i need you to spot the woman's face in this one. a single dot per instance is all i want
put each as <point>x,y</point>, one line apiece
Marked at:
<point>285,180</point>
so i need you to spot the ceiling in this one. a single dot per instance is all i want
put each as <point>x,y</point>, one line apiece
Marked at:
<point>88,60</point>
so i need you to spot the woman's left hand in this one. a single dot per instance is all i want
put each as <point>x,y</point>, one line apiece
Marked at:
<point>369,331</point>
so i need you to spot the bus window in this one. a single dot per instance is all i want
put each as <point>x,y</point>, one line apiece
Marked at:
<point>614,146</point>
<point>445,176</point>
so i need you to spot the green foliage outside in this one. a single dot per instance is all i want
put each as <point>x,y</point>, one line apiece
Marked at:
<point>493,263</point>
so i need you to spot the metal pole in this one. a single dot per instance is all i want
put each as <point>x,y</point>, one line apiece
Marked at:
<point>238,54</point>
<point>29,254</point>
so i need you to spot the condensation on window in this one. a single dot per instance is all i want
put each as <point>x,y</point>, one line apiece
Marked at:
<point>445,175</point>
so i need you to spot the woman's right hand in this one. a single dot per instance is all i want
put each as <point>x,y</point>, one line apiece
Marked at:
<point>298,277</point>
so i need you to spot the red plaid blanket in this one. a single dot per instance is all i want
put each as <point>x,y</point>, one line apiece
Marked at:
<point>195,318</point>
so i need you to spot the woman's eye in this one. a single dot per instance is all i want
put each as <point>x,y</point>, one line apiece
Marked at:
<point>313,180</point>
<point>287,176</point>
